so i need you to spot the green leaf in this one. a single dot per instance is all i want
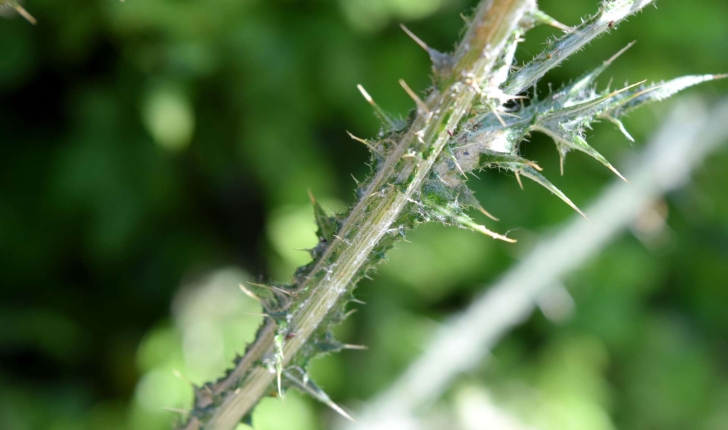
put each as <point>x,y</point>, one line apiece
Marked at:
<point>449,213</point>
<point>611,13</point>
<point>583,87</point>
<point>571,140</point>
<point>540,179</point>
<point>658,92</point>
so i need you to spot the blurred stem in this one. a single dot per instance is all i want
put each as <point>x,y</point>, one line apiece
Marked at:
<point>493,23</point>
<point>687,137</point>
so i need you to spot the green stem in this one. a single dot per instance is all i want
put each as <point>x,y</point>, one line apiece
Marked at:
<point>390,191</point>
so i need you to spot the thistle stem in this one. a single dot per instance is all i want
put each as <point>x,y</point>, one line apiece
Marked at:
<point>388,193</point>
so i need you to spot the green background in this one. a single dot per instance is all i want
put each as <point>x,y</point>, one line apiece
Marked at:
<point>156,153</point>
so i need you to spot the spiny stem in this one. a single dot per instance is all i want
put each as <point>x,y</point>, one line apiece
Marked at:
<point>414,181</point>
<point>388,193</point>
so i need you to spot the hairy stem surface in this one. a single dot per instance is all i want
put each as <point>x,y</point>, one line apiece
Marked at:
<point>393,187</point>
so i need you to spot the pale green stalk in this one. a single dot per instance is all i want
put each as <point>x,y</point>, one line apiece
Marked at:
<point>468,121</point>
<point>388,193</point>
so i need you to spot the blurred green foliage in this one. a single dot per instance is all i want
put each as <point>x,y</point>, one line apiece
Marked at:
<point>160,151</point>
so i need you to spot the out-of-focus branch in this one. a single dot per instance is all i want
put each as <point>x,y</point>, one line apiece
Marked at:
<point>688,136</point>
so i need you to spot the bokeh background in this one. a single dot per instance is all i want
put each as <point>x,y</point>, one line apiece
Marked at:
<point>156,153</point>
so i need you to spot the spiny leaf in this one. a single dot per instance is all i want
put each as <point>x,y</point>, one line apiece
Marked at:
<point>529,169</point>
<point>587,110</point>
<point>452,215</point>
<point>494,159</point>
<point>611,13</point>
<point>317,393</point>
<point>537,177</point>
<point>657,92</point>
<point>573,140</point>
<point>479,140</point>
<point>619,125</point>
<point>582,87</point>
<point>469,199</point>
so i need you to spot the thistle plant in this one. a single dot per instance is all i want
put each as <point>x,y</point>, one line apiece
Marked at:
<point>478,111</point>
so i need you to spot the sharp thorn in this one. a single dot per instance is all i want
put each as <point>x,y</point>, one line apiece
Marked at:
<point>367,144</point>
<point>576,208</point>
<point>281,290</point>
<point>366,95</point>
<point>488,214</point>
<point>271,287</point>
<point>263,285</point>
<point>178,410</point>
<point>379,111</point>
<point>440,62</point>
<point>614,93</point>
<point>620,52</point>
<point>518,178</point>
<point>543,18</point>
<point>418,101</point>
<point>460,169</point>
<point>350,346</point>
<point>24,13</point>
<point>500,118</point>
<point>510,114</point>
<point>256,314</point>
<point>339,410</point>
<point>358,139</point>
<point>620,126</point>
<point>645,91</point>
<point>616,172</point>
<point>494,235</point>
<point>601,99</point>
<point>319,395</point>
<point>417,40</point>
<point>249,293</point>
<point>533,164</point>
